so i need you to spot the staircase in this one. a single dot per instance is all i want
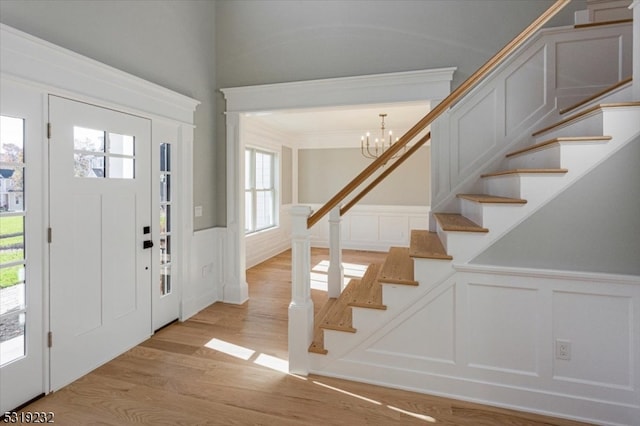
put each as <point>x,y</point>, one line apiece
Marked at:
<point>558,156</point>
<point>433,317</point>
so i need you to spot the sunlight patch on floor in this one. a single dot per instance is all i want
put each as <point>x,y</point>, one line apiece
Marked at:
<point>282,366</point>
<point>230,349</point>
<point>412,414</point>
<point>348,393</point>
<point>319,277</point>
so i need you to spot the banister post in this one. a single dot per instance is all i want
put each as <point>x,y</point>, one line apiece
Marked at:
<point>336,270</point>
<point>301,306</point>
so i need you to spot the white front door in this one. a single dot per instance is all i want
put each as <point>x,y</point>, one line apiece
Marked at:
<point>21,246</point>
<point>101,232</point>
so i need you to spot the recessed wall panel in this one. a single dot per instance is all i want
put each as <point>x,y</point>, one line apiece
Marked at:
<point>599,330</point>
<point>476,132</point>
<point>87,269</point>
<point>428,334</point>
<point>502,326</point>
<point>589,62</point>
<point>525,90</point>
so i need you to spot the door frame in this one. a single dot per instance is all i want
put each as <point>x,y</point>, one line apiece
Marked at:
<point>52,70</point>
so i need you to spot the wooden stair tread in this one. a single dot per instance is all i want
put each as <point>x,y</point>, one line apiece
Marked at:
<point>491,199</point>
<point>427,245</point>
<point>525,171</point>
<point>457,222</point>
<point>558,140</point>
<point>369,293</point>
<point>398,268</point>
<point>317,345</point>
<point>585,112</point>
<point>339,315</point>
<point>596,95</point>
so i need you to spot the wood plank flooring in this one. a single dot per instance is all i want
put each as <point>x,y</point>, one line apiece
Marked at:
<point>225,366</point>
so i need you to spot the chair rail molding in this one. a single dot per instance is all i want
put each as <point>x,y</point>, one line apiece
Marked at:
<point>424,85</point>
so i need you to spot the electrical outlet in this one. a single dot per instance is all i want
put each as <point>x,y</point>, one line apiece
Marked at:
<point>563,349</point>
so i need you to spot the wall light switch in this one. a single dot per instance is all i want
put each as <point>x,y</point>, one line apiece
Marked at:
<point>198,211</point>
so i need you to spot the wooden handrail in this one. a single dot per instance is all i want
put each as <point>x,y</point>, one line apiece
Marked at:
<point>445,104</point>
<point>344,209</point>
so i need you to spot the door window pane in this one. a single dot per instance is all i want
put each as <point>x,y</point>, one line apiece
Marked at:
<point>121,144</point>
<point>98,156</point>
<point>88,139</point>
<point>121,168</point>
<point>12,240</point>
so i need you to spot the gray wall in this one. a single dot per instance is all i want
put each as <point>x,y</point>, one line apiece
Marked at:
<point>271,41</point>
<point>197,46</point>
<point>167,42</point>
<point>594,226</point>
<point>323,172</point>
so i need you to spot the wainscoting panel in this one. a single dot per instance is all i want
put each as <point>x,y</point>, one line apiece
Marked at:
<point>523,94</point>
<point>428,335</point>
<point>376,228</point>
<point>502,325</point>
<point>553,70</point>
<point>489,334</point>
<point>577,317</point>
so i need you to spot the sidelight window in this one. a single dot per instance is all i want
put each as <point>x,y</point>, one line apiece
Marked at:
<point>13,259</point>
<point>165,219</point>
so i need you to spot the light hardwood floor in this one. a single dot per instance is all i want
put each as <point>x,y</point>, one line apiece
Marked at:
<point>225,366</point>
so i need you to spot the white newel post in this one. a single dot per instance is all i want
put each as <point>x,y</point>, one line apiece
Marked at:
<point>336,270</point>
<point>301,306</point>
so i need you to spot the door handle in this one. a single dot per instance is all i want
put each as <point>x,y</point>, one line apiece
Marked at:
<point>147,244</point>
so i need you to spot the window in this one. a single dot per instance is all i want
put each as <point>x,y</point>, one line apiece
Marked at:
<point>165,219</point>
<point>260,190</point>
<point>13,259</point>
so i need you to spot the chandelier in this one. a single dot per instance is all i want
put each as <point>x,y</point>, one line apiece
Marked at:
<point>377,147</point>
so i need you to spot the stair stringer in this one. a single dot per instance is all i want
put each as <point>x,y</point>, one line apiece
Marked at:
<point>433,346</point>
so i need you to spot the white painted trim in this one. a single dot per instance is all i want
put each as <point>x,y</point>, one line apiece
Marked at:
<point>367,89</point>
<point>40,62</point>
<point>371,89</point>
<point>547,273</point>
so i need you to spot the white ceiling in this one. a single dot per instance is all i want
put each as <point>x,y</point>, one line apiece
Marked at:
<point>341,126</point>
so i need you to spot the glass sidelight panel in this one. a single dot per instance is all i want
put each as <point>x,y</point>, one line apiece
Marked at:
<point>13,260</point>
<point>165,219</point>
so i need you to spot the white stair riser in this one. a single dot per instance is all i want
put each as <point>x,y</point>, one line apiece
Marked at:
<point>461,245</point>
<point>365,320</point>
<point>531,187</point>
<point>621,122</point>
<point>492,216</point>
<point>561,155</point>
<point>589,125</point>
<point>430,271</point>
<point>544,158</point>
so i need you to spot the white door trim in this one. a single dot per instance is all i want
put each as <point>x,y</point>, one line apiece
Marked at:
<point>49,69</point>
